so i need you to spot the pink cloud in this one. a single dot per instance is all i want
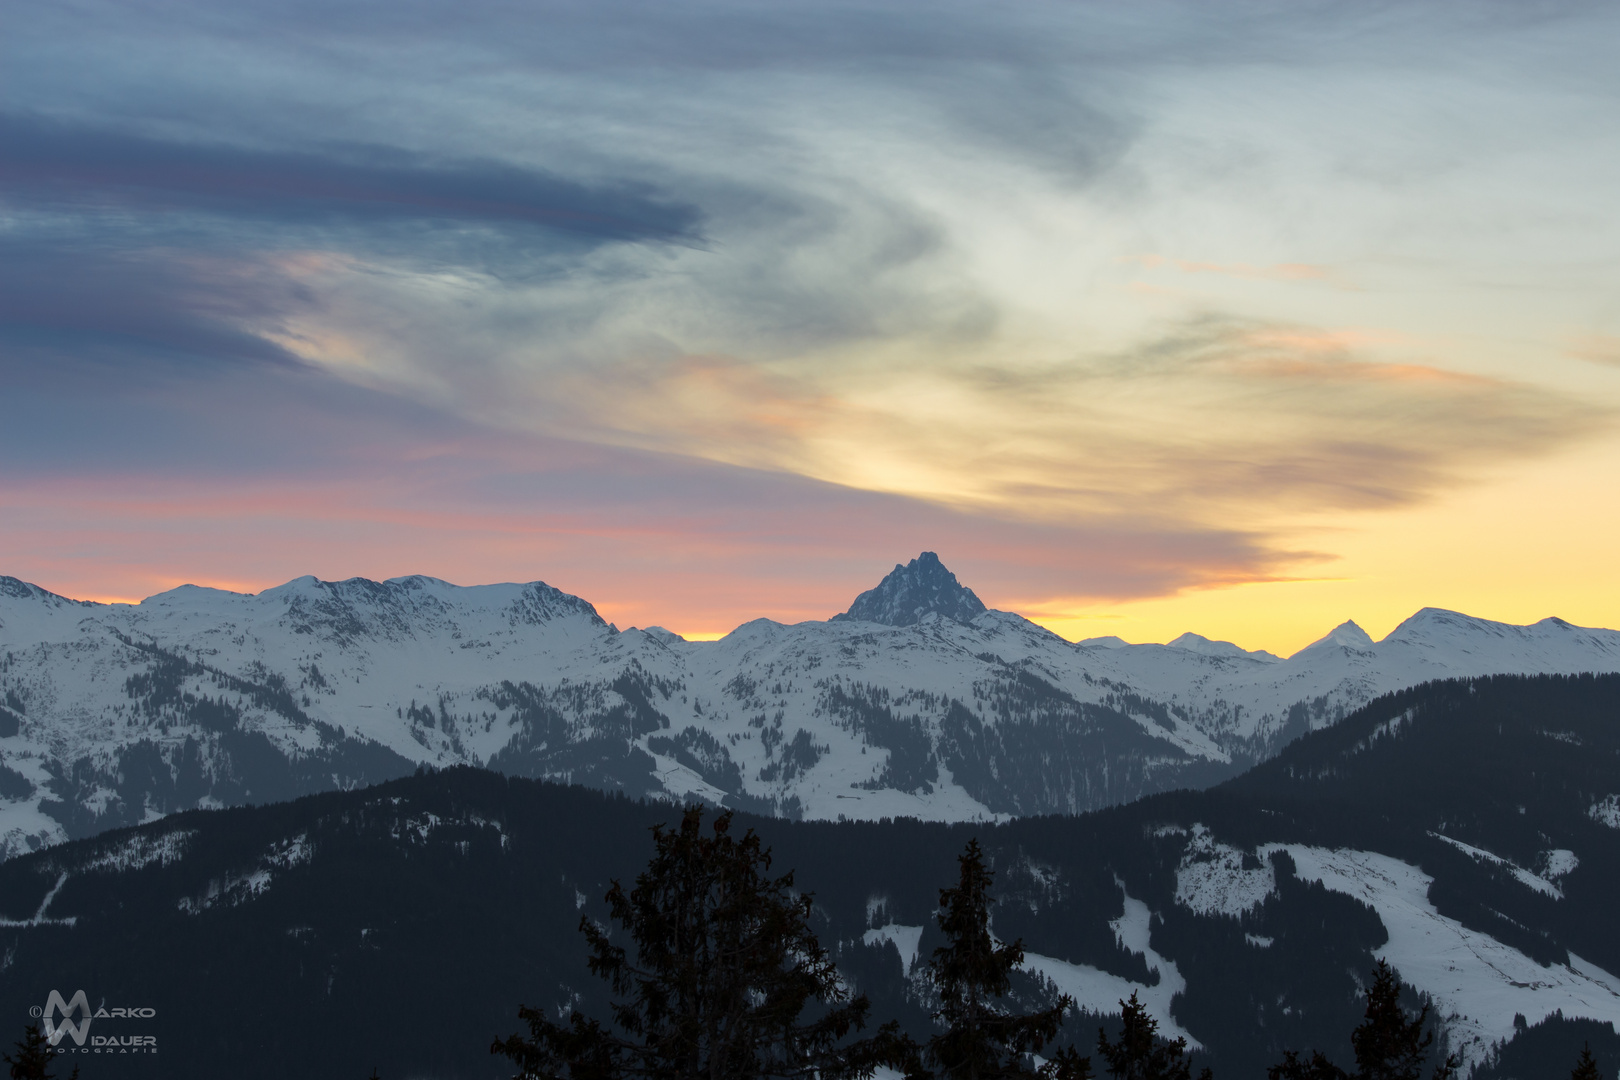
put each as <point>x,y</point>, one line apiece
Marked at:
<point>648,538</point>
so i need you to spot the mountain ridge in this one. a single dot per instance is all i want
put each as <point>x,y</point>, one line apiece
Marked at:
<point>110,714</point>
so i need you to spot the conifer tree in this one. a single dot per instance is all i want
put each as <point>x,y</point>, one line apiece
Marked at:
<point>1388,1044</point>
<point>34,1058</point>
<point>724,965</point>
<point>1586,1067</point>
<point>1141,1053</point>
<point>983,1040</point>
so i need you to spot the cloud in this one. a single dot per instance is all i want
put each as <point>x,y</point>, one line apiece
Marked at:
<point>71,308</point>
<point>1215,418</point>
<point>1274,272</point>
<point>61,166</point>
<point>267,475</point>
<point>1597,349</point>
<point>129,254</point>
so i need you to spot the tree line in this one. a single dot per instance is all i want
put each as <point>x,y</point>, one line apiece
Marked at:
<point>727,981</point>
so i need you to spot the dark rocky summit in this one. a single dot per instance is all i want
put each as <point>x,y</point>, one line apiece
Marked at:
<point>921,587</point>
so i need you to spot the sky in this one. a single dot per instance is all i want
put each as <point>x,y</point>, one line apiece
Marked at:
<point>1237,318</point>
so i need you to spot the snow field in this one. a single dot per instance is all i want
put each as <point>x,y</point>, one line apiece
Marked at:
<point>1477,983</point>
<point>1100,992</point>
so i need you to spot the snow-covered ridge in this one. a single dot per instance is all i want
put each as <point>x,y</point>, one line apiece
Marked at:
<point>918,701</point>
<point>1558,862</point>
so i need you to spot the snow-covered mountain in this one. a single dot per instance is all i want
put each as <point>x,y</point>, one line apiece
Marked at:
<point>918,701</point>
<point>1464,831</point>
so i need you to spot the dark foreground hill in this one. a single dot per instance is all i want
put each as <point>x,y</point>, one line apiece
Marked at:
<point>1467,831</point>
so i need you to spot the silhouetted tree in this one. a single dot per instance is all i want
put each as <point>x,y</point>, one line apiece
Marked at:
<point>1141,1053</point>
<point>984,1040</point>
<point>1389,1045</point>
<point>725,964</point>
<point>34,1058</point>
<point>1316,1067</point>
<point>1586,1067</point>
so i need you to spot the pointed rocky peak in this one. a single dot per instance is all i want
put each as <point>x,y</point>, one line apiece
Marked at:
<point>921,587</point>
<point>1346,635</point>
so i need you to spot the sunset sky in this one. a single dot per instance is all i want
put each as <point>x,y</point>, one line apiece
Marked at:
<point>1238,318</point>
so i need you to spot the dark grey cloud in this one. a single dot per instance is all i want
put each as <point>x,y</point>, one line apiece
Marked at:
<point>129,256</point>
<point>48,163</point>
<point>73,311</point>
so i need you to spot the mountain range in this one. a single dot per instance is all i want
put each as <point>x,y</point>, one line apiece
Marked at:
<point>1467,831</point>
<point>916,702</point>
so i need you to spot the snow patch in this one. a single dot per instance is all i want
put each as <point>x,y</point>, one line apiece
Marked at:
<point>142,850</point>
<point>242,887</point>
<point>908,939</point>
<point>1606,812</point>
<point>1097,991</point>
<point>1212,879</point>
<point>40,918</point>
<point>1558,863</point>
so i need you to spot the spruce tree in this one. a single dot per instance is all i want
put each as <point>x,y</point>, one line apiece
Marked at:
<point>1586,1067</point>
<point>1388,1044</point>
<point>1141,1053</point>
<point>724,965</point>
<point>984,1040</point>
<point>34,1058</point>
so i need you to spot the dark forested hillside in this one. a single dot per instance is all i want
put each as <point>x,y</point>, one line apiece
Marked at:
<point>1466,830</point>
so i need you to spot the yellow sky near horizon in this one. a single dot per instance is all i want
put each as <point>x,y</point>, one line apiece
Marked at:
<point>1537,540</point>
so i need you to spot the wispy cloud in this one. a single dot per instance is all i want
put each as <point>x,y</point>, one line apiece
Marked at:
<point>1218,417</point>
<point>1597,349</point>
<point>52,164</point>
<point>1274,272</point>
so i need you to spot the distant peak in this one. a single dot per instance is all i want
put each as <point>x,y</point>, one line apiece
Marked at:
<point>919,588</point>
<point>1346,635</point>
<point>17,589</point>
<point>1204,646</point>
